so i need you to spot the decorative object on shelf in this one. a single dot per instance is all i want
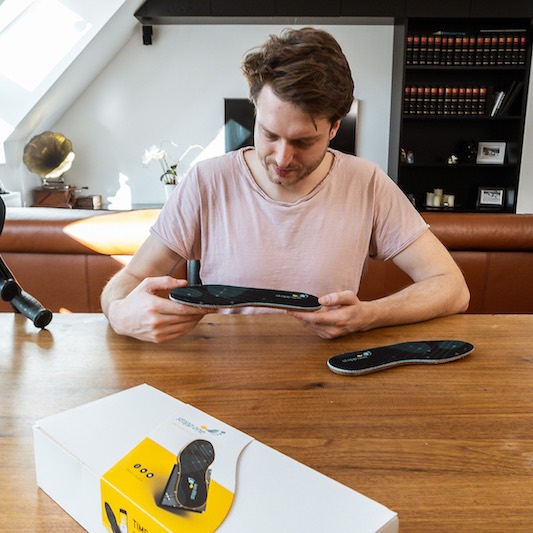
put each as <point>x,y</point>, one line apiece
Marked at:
<point>407,157</point>
<point>437,199</point>
<point>504,98</point>
<point>453,159</point>
<point>49,155</point>
<point>490,198</point>
<point>63,196</point>
<point>490,153</point>
<point>171,175</point>
<point>468,151</point>
<point>93,201</point>
<point>154,153</point>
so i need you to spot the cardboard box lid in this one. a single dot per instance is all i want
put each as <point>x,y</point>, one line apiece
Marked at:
<point>73,449</point>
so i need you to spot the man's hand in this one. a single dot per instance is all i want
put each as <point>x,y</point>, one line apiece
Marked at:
<point>439,289</point>
<point>147,313</point>
<point>341,313</point>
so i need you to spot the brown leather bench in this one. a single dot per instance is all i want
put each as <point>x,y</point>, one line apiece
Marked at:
<point>494,251</point>
<point>64,257</point>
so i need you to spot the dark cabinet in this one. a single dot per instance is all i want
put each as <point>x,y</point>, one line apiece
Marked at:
<point>243,8</point>
<point>458,123</point>
<point>165,12</point>
<point>469,8</point>
<point>308,8</point>
<point>186,11</point>
<point>498,8</point>
<point>377,8</point>
<point>449,8</point>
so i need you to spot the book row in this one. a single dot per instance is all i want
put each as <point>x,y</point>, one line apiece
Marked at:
<point>482,49</point>
<point>428,100</point>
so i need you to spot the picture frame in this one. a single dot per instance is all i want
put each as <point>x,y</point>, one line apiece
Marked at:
<point>490,198</point>
<point>490,153</point>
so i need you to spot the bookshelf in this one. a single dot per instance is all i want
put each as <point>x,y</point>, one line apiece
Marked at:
<point>459,83</point>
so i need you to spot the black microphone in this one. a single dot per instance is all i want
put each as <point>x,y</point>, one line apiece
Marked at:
<point>8,289</point>
<point>32,309</point>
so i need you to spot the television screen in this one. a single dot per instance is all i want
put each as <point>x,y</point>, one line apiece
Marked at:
<point>239,126</point>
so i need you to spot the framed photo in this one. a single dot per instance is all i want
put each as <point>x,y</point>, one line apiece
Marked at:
<point>490,153</point>
<point>490,198</point>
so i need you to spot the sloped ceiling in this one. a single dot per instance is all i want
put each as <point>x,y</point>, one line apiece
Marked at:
<point>81,40</point>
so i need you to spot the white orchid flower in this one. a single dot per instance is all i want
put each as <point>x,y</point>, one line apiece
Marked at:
<point>153,154</point>
<point>170,171</point>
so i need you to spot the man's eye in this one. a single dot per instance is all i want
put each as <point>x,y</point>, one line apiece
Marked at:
<point>304,144</point>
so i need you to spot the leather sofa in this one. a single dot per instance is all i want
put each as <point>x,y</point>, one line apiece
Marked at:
<point>494,252</point>
<point>64,257</point>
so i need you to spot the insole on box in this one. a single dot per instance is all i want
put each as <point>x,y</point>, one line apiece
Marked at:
<point>188,483</point>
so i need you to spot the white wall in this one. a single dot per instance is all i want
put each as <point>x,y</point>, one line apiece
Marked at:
<point>31,102</point>
<point>525,187</point>
<point>36,48</point>
<point>175,90</point>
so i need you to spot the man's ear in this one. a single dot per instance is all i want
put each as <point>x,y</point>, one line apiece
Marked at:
<point>334,129</point>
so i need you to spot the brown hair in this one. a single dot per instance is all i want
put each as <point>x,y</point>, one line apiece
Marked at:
<point>305,67</point>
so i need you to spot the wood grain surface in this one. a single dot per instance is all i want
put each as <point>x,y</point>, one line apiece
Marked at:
<point>449,447</point>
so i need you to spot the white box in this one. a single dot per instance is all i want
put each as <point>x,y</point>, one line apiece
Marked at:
<point>75,449</point>
<point>12,199</point>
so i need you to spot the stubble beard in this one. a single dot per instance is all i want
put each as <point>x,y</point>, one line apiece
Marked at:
<point>298,173</point>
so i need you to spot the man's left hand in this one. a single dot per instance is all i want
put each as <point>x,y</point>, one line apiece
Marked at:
<point>341,314</point>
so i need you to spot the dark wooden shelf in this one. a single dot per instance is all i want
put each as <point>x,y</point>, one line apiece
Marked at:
<point>465,67</point>
<point>432,138</point>
<point>457,165</point>
<point>461,117</point>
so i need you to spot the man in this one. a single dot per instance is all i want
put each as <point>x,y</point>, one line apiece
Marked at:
<point>289,214</point>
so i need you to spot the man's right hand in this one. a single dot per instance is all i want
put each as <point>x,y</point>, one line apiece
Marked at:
<point>147,313</point>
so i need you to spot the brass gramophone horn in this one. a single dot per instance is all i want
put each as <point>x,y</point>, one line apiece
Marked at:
<point>48,155</point>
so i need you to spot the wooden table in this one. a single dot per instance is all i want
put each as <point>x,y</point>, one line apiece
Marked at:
<point>449,447</point>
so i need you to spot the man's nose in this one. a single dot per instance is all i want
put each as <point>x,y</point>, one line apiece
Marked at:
<point>284,154</point>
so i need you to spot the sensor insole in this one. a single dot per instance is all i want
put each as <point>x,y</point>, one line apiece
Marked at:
<point>111,517</point>
<point>231,296</point>
<point>188,484</point>
<point>404,353</point>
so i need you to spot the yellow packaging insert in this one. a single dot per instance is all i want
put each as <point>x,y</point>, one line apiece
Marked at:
<point>133,491</point>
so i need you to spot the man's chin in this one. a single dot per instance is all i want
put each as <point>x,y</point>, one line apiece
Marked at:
<point>286,179</point>
<point>284,182</point>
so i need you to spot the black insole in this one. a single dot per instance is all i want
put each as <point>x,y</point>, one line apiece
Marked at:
<point>231,296</point>
<point>111,517</point>
<point>404,353</point>
<point>188,484</point>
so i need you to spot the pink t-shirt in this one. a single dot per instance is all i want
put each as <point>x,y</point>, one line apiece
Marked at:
<point>318,244</point>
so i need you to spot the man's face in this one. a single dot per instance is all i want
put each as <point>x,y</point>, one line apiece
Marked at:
<point>289,143</point>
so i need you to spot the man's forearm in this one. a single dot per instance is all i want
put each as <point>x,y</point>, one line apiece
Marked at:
<point>118,287</point>
<point>429,298</point>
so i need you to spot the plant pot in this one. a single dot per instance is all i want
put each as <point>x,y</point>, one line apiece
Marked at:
<point>169,188</point>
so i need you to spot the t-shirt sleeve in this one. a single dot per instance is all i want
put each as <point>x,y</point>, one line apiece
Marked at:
<point>179,224</point>
<point>396,222</point>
